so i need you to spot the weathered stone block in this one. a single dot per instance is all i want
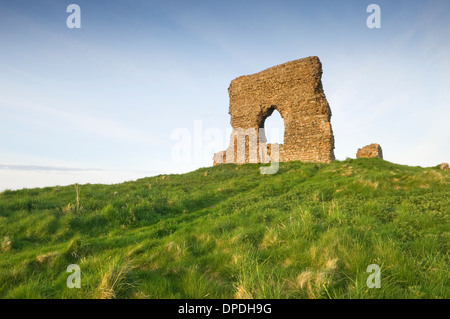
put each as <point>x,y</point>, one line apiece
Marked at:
<point>372,150</point>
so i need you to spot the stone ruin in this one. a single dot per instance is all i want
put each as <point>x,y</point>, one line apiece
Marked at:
<point>295,90</point>
<point>368,151</point>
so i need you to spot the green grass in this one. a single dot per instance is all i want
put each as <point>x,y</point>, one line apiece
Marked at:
<point>309,231</point>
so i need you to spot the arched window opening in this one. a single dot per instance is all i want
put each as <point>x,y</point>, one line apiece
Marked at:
<point>274,128</point>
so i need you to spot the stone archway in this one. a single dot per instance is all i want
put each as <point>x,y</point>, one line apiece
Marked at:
<point>295,90</point>
<point>263,125</point>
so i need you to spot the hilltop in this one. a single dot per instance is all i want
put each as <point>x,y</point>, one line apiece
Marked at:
<point>309,231</point>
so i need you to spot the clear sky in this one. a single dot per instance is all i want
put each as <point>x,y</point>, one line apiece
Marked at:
<point>110,95</point>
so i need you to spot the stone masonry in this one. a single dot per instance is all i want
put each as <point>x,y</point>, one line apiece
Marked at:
<point>295,90</point>
<point>372,150</point>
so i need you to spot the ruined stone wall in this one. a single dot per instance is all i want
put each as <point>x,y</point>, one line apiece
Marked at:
<point>295,90</point>
<point>368,151</point>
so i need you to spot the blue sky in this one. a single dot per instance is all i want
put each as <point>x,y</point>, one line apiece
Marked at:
<point>110,95</point>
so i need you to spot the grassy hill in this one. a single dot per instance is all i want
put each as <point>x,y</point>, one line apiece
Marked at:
<point>309,231</point>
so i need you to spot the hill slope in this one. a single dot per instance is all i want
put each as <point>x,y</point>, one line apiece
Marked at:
<point>309,231</point>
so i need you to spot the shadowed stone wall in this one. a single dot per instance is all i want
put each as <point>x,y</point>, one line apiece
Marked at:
<point>295,90</point>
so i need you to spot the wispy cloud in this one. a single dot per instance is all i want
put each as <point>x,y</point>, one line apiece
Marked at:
<point>83,122</point>
<point>14,167</point>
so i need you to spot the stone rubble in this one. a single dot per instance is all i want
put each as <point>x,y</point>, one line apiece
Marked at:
<point>372,150</point>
